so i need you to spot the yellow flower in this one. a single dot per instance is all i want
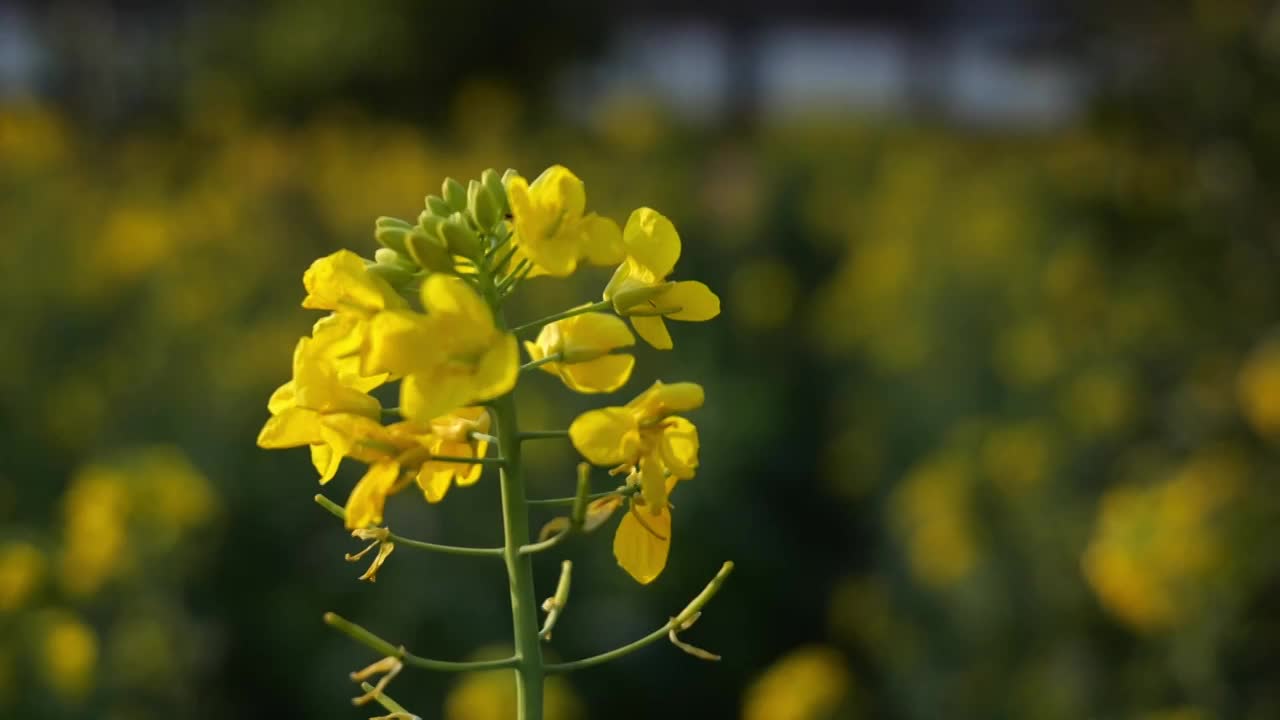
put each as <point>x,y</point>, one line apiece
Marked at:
<point>452,357</point>
<point>584,343</point>
<point>452,436</point>
<point>552,228</point>
<point>645,437</point>
<point>317,391</point>
<point>642,541</point>
<point>639,286</point>
<point>341,282</point>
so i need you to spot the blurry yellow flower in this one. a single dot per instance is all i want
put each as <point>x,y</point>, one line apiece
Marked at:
<point>644,437</point>
<point>810,683</point>
<point>584,343</point>
<point>552,227</point>
<point>1258,388</point>
<point>96,511</point>
<point>492,696</point>
<point>639,286</point>
<point>22,569</point>
<point>69,655</point>
<point>1154,548</point>
<point>299,407</point>
<point>341,282</point>
<point>931,513</point>
<point>452,357</point>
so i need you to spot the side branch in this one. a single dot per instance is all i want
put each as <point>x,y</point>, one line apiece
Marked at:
<point>338,512</point>
<point>535,324</point>
<point>377,644</point>
<point>676,623</point>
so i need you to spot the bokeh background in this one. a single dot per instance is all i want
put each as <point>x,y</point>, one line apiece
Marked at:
<point>993,408</point>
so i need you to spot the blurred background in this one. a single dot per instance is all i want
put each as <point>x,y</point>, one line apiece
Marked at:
<point>993,407</point>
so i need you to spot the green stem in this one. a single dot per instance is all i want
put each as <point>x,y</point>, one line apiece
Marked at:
<point>378,645</point>
<point>515,532</point>
<point>553,357</point>
<point>385,701</point>
<point>469,460</point>
<point>686,616</point>
<point>341,514</point>
<point>624,491</point>
<point>534,325</point>
<point>543,434</point>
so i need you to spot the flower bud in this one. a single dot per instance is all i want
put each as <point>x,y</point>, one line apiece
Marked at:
<point>454,194</point>
<point>438,207</point>
<point>429,252</point>
<point>392,237</point>
<point>493,183</point>
<point>459,237</point>
<point>395,273</point>
<point>482,205</point>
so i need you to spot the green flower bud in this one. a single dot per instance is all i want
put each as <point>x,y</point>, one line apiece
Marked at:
<point>454,194</point>
<point>430,224</point>
<point>392,236</point>
<point>482,205</point>
<point>506,176</point>
<point>459,237</point>
<point>394,272</point>
<point>385,221</point>
<point>493,183</point>
<point>429,252</point>
<point>437,206</point>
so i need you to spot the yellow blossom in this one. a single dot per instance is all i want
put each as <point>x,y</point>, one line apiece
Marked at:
<point>22,568</point>
<point>341,282</point>
<point>583,344</point>
<point>69,654</point>
<point>639,286</point>
<point>317,391</point>
<point>645,436</point>
<point>452,357</point>
<point>551,225</point>
<point>452,436</point>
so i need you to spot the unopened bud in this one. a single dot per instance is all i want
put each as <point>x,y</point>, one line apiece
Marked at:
<point>493,183</point>
<point>482,205</point>
<point>438,207</point>
<point>429,252</point>
<point>454,194</point>
<point>459,237</point>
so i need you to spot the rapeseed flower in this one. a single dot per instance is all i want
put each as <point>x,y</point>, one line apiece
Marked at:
<point>552,228</point>
<point>639,287</point>
<point>583,344</point>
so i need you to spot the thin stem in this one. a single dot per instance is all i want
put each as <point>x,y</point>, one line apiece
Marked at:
<point>556,603</point>
<point>341,514</point>
<point>593,307</point>
<point>543,434</point>
<point>385,701</point>
<point>471,460</point>
<point>553,357</point>
<point>624,491</point>
<point>676,623</point>
<point>554,540</point>
<point>378,645</point>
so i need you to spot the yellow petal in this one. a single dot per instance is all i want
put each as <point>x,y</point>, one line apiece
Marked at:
<point>498,369</point>
<point>602,375</point>
<point>558,187</point>
<point>424,396</point>
<point>434,481</point>
<point>653,484</point>
<point>591,335</point>
<point>399,343</point>
<point>662,399</point>
<point>609,436</point>
<point>695,300</point>
<point>641,546</point>
<point>652,240</point>
<point>653,330</point>
<point>326,461</point>
<point>341,282</point>
<point>282,398</point>
<point>450,295</point>
<point>599,511</point>
<point>601,241</point>
<point>679,447</point>
<point>365,505</point>
<point>294,427</point>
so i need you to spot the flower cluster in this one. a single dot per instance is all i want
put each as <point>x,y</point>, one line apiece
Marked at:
<point>427,313</point>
